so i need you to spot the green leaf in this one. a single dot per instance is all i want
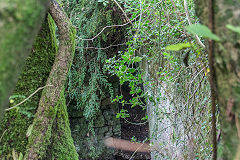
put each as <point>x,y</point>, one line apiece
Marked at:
<point>233,28</point>
<point>118,115</point>
<point>29,130</point>
<point>131,70</point>
<point>178,47</point>
<point>20,156</point>
<point>202,30</point>
<point>137,59</point>
<point>145,118</point>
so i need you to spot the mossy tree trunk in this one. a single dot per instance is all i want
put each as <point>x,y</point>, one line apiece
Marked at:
<point>58,141</point>
<point>14,125</point>
<point>51,121</point>
<point>20,22</point>
<point>227,67</point>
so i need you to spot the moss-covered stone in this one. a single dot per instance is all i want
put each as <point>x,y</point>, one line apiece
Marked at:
<point>34,75</point>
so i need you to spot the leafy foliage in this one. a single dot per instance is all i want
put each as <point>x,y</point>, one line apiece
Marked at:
<point>88,82</point>
<point>158,25</point>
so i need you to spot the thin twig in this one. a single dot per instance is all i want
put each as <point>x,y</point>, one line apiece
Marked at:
<point>196,76</point>
<point>28,97</point>
<point>117,25</point>
<point>135,123</point>
<point>124,13</point>
<point>212,77</point>
<point>194,91</point>
<point>112,45</point>
<point>3,135</point>
<point>136,151</point>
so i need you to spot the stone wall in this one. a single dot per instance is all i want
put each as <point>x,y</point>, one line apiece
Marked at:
<point>91,146</point>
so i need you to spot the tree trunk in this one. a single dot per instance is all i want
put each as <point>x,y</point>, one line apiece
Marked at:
<point>226,65</point>
<point>162,127</point>
<point>20,22</point>
<point>14,126</point>
<point>51,99</point>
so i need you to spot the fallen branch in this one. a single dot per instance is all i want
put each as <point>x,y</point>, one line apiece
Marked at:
<point>126,145</point>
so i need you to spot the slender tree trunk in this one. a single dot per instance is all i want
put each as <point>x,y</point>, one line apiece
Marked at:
<point>15,123</point>
<point>20,22</point>
<point>51,96</point>
<point>227,67</point>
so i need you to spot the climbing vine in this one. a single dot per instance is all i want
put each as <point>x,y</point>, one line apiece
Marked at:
<point>158,38</point>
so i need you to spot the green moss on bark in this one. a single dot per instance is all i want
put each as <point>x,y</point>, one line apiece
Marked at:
<point>40,139</point>
<point>34,75</point>
<point>62,146</point>
<point>20,22</point>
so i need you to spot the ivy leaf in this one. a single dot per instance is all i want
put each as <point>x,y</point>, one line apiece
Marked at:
<point>233,28</point>
<point>202,30</point>
<point>118,115</point>
<point>131,70</point>
<point>178,47</point>
<point>137,59</point>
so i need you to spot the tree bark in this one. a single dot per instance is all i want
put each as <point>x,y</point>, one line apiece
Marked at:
<point>51,96</point>
<point>227,67</point>
<point>160,117</point>
<point>20,22</point>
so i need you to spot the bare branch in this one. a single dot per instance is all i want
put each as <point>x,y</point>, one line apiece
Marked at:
<point>122,11</point>
<point>40,88</point>
<point>112,45</point>
<point>119,25</point>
